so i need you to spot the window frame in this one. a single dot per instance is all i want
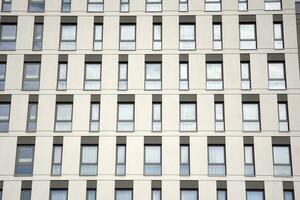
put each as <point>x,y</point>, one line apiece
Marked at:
<point>243,2</point>
<point>154,120</point>
<point>214,79</point>
<point>63,3</point>
<point>253,160</point>
<point>277,79</point>
<point>221,190</point>
<point>155,3</point>
<point>3,80</point>
<point>67,41</point>
<point>249,75</point>
<point>121,79</point>
<point>255,190</point>
<point>184,164</point>
<point>91,116</point>
<point>58,76</point>
<point>82,164</point>
<point>3,8</point>
<point>151,164</point>
<point>182,79</point>
<point>290,165</point>
<point>94,37</point>
<point>24,79</point>
<point>189,189</point>
<point>223,116</point>
<point>123,189</point>
<point>282,35</point>
<point>152,80</point>
<point>221,36</point>
<point>31,3</point>
<point>287,121</point>
<point>89,3</point>
<point>91,190</point>
<point>133,116</point>
<point>86,64</point>
<point>59,189</point>
<point>186,40</point>
<point>156,40</point>
<point>217,164</point>
<point>124,3</point>
<point>120,163</point>
<point>196,117</point>
<point>120,36</point>
<point>272,1</point>
<point>30,104</point>
<point>206,3</point>
<point>22,193</point>
<point>247,40</point>
<point>35,35</point>
<point>65,121</point>
<point>12,42</point>
<point>53,159</point>
<point>2,121</point>
<point>17,163</point>
<point>289,191</point>
<point>259,116</point>
<point>183,3</point>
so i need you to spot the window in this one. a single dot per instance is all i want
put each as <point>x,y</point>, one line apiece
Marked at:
<point>221,194</point>
<point>95,116</point>
<point>152,160</point>
<point>272,4</point>
<point>214,76</point>
<point>125,117</point>
<point>156,116</point>
<point>68,37</point>
<point>217,36</point>
<point>249,160</point>
<point>278,36</point>
<point>153,76</point>
<point>123,194</point>
<point>283,116</point>
<point>62,76</point>
<point>8,37</point>
<point>56,160</point>
<point>153,5</point>
<point>183,5</point>
<point>95,5</point>
<point>245,76</point>
<point>89,160</point>
<point>121,160</point>
<point>6,5</point>
<point>247,36</point>
<point>251,117</point>
<point>66,5</point>
<point>127,37</point>
<point>25,194</point>
<point>31,76</point>
<point>187,39</point>
<point>156,194</point>
<point>188,117</point>
<point>98,36</point>
<point>32,117</point>
<point>124,5</point>
<point>213,5</point>
<point>91,194</point>
<point>1,194</point>
<point>36,5</point>
<point>63,121</point>
<point>288,195</point>
<point>255,195</point>
<point>92,80</point>
<point>216,160</point>
<point>184,160</point>
<point>24,160</point>
<point>4,117</point>
<point>59,194</point>
<point>38,37</point>
<point>184,76</point>
<point>188,194</point>
<point>219,116</point>
<point>123,76</point>
<point>243,5</point>
<point>277,76</point>
<point>282,161</point>
<point>157,36</point>
<point>2,76</point>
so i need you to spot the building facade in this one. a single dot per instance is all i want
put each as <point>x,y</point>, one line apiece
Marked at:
<point>149,99</point>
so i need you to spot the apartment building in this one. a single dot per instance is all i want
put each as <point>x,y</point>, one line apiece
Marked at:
<point>149,99</point>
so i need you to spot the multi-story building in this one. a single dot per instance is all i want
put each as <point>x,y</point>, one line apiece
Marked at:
<point>149,99</point>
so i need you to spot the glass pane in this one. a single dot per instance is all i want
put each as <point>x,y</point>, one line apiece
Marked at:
<point>64,112</point>
<point>212,6</point>
<point>68,32</point>
<point>187,111</point>
<point>275,5</point>
<point>219,111</point>
<point>25,194</point>
<point>91,195</point>
<point>8,32</point>
<point>183,71</point>
<point>184,154</point>
<point>222,195</point>
<point>281,155</point>
<point>153,71</point>
<point>276,71</point>
<point>95,111</point>
<point>98,32</point>
<point>152,154</point>
<point>93,71</point>
<point>248,154</point>
<point>250,112</point>
<point>216,154</point>
<point>121,154</point>
<point>32,111</point>
<point>156,194</point>
<point>89,154</point>
<point>2,71</point>
<point>214,71</point>
<point>59,195</point>
<point>187,32</point>
<point>4,111</point>
<point>125,112</point>
<point>278,31</point>
<point>25,154</point>
<point>157,111</point>
<point>282,108</point>
<point>247,31</point>
<point>288,195</point>
<point>157,32</point>
<point>188,126</point>
<point>62,71</point>
<point>217,31</point>
<point>123,71</point>
<point>255,195</point>
<point>32,71</point>
<point>57,154</point>
<point>38,28</point>
<point>127,32</point>
<point>189,195</point>
<point>125,126</point>
<point>123,195</point>
<point>282,170</point>
<point>153,7</point>
<point>245,71</point>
